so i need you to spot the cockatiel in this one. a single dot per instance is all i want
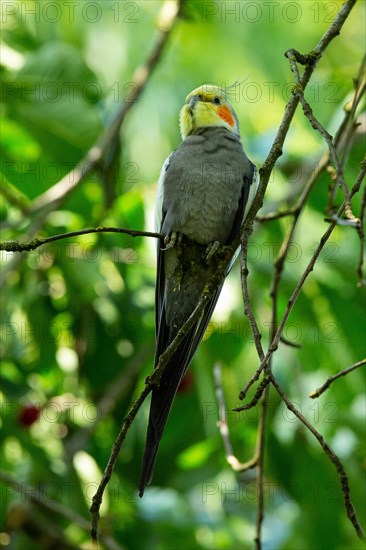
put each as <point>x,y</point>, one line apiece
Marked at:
<point>205,190</point>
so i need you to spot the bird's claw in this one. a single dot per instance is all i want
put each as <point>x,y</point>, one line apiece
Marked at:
<point>171,240</point>
<point>210,251</point>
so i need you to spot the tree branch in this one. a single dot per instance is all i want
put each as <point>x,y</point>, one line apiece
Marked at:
<point>222,424</point>
<point>331,379</point>
<point>291,302</point>
<point>15,246</point>
<point>259,453</point>
<point>312,58</point>
<point>341,139</point>
<point>260,480</point>
<point>308,112</point>
<point>349,125</point>
<point>298,208</point>
<point>258,394</point>
<point>107,474</point>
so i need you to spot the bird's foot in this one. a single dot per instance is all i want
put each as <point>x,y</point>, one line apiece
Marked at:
<point>210,251</point>
<point>171,240</point>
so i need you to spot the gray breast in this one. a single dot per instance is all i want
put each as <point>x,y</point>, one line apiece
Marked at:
<point>203,185</point>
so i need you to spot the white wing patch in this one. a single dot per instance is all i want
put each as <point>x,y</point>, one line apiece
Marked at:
<point>252,193</point>
<point>160,196</point>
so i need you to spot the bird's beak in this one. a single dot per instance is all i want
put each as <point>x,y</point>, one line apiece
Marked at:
<point>192,102</point>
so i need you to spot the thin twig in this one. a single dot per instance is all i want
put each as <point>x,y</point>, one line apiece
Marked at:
<point>282,255</point>
<point>15,246</point>
<point>271,216</point>
<point>311,264</point>
<point>295,212</point>
<point>291,302</point>
<point>275,152</point>
<point>331,379</point>
<point>341,137</point>
<point>260,479</point>
<point>349,222</point>
<point>244,272</point>
<point>349,126</point>
<point>276,149</point>
<point>279,263</point>
<point>342,132</point>
<point>258,394</point>
<point>259,452</point>
<point>329,139</point>
<point>222,424</point>
<point>251,381</point>
<point>107,474</point>
<point>288,342</point>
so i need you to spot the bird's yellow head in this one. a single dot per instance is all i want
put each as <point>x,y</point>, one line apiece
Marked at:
<point>207,106</point>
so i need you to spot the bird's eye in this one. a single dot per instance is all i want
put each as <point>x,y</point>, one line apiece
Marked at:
<point>200,97</point>
<point>217,100</point>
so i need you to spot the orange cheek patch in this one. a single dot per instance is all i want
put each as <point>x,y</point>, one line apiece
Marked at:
<point>226,115</point>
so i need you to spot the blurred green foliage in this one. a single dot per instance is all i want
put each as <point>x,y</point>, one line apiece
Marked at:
<point>78,315</point>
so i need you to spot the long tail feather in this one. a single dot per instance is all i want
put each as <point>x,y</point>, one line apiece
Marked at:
<point>161,403</point>
<point>163,396</point>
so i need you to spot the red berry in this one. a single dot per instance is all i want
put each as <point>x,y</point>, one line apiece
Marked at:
<point>28,414</point>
